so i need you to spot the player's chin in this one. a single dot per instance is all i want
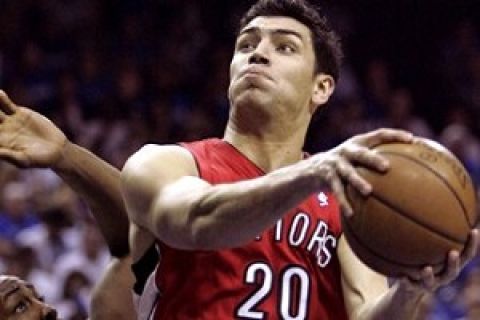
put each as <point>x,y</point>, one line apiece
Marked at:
<point>255,99</point>
<point>248,95</point>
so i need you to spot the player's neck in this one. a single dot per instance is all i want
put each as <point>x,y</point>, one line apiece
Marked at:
<point>266,150</point>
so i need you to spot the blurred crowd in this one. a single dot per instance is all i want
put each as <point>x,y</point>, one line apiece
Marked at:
<point>114,75</point>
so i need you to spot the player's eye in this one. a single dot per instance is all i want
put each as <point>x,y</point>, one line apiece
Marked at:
<point>286,48</point>
<point>21,307</point>
<point>245,46</point>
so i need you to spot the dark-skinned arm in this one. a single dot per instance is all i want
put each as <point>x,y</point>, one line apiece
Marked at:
<point>30,140</point>
<point>97,183</point>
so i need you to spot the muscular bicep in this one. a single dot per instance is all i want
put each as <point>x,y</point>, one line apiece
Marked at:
<point>157,183</point>
<point>362,287</point>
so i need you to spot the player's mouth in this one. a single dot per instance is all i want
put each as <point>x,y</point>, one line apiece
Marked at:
<point>254,72</point>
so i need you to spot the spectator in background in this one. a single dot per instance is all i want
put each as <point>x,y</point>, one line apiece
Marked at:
<point>16,214</point>
<point>23,263</point>
<point>475,84</point>
<point>400,115</point>
<point>470,294</point>
<point>460,300</point>
<point>94,84</point>
<point>91,258</point>
<point>79,270</point>
<point>74,301</point>
<point>54,237</point>
<point>458,136</point>
<point>378,88</point>
<point>459,51</point>
<point>36,76</point>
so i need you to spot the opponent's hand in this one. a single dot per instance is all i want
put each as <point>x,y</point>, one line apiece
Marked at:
<point>425,279</point>
<point>337,166</point>
<point>28,139</point>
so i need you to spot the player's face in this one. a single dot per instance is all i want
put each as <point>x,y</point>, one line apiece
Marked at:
<point>273,65</point>
<point>20,301</point>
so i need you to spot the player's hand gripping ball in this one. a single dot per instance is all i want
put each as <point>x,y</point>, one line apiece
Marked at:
<point>420,209</point>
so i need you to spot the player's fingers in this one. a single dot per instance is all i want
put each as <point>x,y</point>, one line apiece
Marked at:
<point>380,136</point>
<point>415,278</point>
<point>349,175</point>
<point>339,191</point>
<point>14,157</point>
<point>365,157</point>
<point>6,105</point>
<point>428,278</point>
<point>471,248</point>
<point>453,268</point>
<point>2,116</point>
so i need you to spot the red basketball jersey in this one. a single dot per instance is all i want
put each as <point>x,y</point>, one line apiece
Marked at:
<point>290,271</point>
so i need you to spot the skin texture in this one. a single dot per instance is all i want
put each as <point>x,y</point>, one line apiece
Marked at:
<point>273,94</point>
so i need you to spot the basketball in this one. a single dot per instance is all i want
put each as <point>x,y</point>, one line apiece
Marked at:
<point>420,209</point>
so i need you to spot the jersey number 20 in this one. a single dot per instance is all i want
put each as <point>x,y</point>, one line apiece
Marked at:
<point>294,291</point>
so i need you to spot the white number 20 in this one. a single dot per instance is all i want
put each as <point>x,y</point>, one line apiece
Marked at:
<point>289,309</point>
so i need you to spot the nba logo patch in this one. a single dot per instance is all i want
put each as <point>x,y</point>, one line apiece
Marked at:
<point>322,199</point>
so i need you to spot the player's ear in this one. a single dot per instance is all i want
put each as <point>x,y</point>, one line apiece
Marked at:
<point>323,86</point>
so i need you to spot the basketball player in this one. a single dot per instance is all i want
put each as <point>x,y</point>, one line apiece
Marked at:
<point>20,301</point>
<point>28,140</point>
<point>246,225</point>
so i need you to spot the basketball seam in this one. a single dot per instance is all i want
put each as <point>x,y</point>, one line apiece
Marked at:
<point>373,252</point>
<point>447,184</point>
<point>404,214</point>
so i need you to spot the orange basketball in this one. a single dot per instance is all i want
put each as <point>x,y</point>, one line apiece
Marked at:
<point>419,210</point>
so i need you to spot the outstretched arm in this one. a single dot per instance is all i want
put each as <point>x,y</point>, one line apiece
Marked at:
<point>98,183</point>
<point>29,140</point>
<point>164,195</point>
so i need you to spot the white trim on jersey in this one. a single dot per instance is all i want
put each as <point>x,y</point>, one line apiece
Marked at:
<point>146,303</point>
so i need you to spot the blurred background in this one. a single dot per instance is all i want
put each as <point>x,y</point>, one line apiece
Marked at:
<point>115,75</point>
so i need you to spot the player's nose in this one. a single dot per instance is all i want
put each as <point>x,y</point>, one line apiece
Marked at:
<point>49,313</point>
<point>261,54</point>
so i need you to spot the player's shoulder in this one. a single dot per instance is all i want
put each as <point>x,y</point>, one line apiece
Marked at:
<point>159,158</point>
<point>152,154</point>
<point>154,151</point>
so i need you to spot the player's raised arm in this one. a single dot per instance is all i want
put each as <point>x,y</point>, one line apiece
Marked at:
<point>164,194</point>
<point>30,140</point>
<point>98,183</point>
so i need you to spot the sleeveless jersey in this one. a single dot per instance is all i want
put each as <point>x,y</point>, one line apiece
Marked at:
<point>290,271</point>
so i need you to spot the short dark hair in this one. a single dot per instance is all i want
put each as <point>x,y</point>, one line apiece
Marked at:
<point>326,43</point>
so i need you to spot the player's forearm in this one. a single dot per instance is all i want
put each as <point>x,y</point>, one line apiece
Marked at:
<point>398,303</point>
<point>230,215</point>
<point>111,297</point>
<point>98,183</point>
